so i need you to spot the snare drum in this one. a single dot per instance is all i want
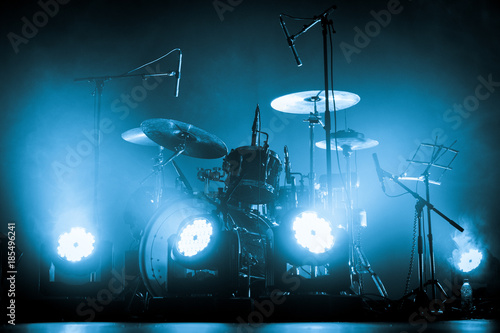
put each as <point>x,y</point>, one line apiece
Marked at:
<point>253,174</point>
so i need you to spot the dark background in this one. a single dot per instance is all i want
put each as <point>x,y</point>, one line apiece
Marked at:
<point>409,74</point>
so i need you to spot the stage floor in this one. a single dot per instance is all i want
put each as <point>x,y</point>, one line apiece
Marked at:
<point>444,326</point>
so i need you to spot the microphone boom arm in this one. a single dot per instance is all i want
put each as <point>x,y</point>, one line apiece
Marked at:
<point>421,199</point>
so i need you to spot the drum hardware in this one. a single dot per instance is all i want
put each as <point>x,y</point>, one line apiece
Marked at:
<point>208,175</point>
<point>437,154</point>
<point>159,163</point>
<point>137,136</point>
<point>295,195</point>
<point>256,122</point>
<point>348,141</point>
<point>314,119</point>
<point>179,137</point>
<point>252,171</point>
<point>289,178</point>
<point>307,102</point>
<point>181,177</point>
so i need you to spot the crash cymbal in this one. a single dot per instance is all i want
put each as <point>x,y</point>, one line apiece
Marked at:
<point>137,136</point>
<point>303,102</point>
<point>172,134</point>
<point>349,139</point>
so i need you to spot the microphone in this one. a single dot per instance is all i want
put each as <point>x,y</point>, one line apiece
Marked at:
<point>290,42</point>
<point>288,167</point>
<point>178,74</point>
<point>379,171</point>
<point>254,126</point>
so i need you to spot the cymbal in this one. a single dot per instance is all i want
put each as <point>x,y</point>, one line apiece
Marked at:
<point>349,139</point>
<point>172,134</point>
<point>303,102</point>
<point>137,136</point>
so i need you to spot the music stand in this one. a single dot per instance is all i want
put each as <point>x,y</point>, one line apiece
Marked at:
<point>439,158</point>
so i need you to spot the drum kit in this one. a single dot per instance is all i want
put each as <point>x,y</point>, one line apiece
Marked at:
<point>251,174</point>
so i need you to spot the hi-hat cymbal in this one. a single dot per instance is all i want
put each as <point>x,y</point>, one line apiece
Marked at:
<point>350,140</point>
<point>303,102</point>
<point>137,136</point>
<point>173,134</point>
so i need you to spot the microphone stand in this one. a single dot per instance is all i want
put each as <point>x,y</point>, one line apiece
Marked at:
<point>421,203</point>
<point>325,22</point>
<point>99,86</point>
<point>328,123</point>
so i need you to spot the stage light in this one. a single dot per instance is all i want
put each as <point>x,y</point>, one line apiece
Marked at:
<point>468,254</point>
<point>195,244</point>
<point>204,258</point>
<point>75,264</point>
<point>194,237</point>
<point>311,247</point>
<point>312,232</point>
<point>75,244</point>
<point>470,260</point>
<point>306,237</point>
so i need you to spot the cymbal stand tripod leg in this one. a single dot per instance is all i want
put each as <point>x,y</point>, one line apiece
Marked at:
<point>366,265</point>
<point>357,258</point>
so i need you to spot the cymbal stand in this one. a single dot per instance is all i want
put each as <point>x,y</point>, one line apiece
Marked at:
<point>159,176</point>
<point>314,119</point>
<point>358,262</point>
<point>160,162</point>
<point>182,178</point>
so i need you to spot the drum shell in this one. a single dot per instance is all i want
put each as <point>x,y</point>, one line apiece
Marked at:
<point>253,174</point>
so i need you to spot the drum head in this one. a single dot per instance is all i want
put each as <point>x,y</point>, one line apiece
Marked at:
<point>153,250</point>
<point>154,254</point>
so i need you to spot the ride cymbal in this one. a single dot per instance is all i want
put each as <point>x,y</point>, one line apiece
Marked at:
<point>305,102</point>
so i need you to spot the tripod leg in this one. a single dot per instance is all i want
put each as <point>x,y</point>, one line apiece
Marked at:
<point>376,279</point>
<point>441,289</point>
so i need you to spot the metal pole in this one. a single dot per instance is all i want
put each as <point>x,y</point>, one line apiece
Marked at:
<point>311,163</point>
<point>429,236</point>
<point>328,125</point>
<point>99,85</point>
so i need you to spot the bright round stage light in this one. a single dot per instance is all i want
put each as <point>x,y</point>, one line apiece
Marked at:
<point>75,244</point>
<point>195,237</point>
<point>470,260</point>
<point>313,232</point>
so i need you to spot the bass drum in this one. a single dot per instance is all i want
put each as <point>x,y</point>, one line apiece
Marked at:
<point>153,249</point>
<point>251,228</point>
